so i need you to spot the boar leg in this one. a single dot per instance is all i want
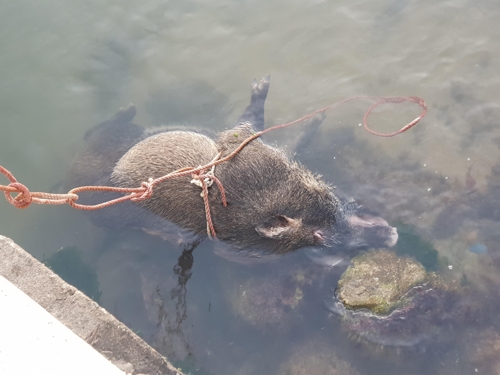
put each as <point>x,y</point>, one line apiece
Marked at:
<point>308,134</point>
<point>254,113</point>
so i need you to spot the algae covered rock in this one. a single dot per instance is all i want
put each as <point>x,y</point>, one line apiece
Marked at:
<point>390,304</point>
<point>268,302</point>
<point>378,280</point>
<point>273,300</point>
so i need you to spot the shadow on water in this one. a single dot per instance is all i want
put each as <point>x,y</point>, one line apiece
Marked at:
<point>169,327</point>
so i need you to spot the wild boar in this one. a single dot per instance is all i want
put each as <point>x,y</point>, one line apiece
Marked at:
<point>274,204</point>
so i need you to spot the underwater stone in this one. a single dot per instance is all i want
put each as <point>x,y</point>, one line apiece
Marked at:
<point>265,302</point>
<point>483,346</point>
<point>409,312</point>
<point>315,358</point>
<point>377,281</point>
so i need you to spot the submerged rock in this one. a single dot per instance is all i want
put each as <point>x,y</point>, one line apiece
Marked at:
<point>391,304</point>
<point>482,348</point>
<point>315,358</point>
<point>268,302</point>
<point>273,300</point>
<point>378,280</point>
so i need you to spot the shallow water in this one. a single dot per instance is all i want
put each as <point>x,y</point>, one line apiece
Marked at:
<point>66,66</point>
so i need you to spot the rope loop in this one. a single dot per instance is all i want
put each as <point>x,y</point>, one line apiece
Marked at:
<point>397,99</point>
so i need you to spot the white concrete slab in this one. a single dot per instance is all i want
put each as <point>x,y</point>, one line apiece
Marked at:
<point>33,342</point>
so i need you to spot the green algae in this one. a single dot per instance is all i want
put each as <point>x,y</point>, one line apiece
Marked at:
<point>411,244</point>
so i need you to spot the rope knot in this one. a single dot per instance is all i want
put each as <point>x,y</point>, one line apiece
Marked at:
<point>23,199</point>
<point>148,191</point>
<point>203,180</point>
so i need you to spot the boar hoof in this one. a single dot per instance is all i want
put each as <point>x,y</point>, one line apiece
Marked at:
<point>260,88</point>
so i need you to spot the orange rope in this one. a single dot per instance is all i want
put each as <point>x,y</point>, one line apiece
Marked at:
<point>24,198</point>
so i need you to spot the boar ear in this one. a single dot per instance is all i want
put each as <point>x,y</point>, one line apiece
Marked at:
<point>277,226</point>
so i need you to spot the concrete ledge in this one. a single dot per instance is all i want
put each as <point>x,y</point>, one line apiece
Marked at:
<point>34,342</point>
<point>80,314</point>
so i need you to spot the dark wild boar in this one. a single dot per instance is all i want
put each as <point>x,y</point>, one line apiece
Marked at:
<point>275,205</point>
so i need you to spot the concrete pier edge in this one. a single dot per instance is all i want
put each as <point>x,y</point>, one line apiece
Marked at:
<point>80,314</point>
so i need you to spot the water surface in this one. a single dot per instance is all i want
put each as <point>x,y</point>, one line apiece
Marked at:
<point>66,66</point>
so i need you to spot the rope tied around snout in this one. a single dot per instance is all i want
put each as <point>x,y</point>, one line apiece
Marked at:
<point>202,176</point>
